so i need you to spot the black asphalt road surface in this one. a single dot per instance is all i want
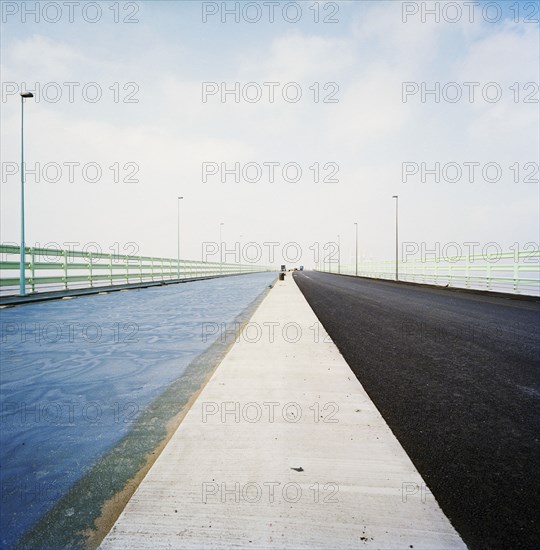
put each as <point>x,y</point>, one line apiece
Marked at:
<point>456,377</point>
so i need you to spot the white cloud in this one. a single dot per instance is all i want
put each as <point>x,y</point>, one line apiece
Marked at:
<point>170,132</point>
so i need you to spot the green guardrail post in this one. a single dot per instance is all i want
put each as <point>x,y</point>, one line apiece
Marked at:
<point>32,269</point>
<point>90,269</point>
<point>65,255</point>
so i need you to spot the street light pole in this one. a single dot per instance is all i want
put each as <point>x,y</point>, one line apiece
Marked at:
<point>221,248</point>
<point>397,237</point>
<point>339,254</point>
<point>22,259</point>
<point>240,251</point>
<point>329,258</point>
<point>356,249</point>
<point>178,265</point>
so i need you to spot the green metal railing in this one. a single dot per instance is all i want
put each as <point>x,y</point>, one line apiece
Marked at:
<point>513,272</point>
<point>56,269</point>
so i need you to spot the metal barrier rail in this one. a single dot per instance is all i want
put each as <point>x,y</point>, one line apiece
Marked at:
<point>56,269</point>
<point>516,273</point>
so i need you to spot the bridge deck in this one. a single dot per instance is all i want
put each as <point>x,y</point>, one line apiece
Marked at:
<point>283,449</point>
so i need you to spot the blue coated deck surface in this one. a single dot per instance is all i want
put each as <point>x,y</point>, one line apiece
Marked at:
<point>76,373</point>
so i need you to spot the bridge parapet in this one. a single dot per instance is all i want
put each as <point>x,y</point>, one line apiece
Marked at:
<point>49,269</point>
<point>511,272</point>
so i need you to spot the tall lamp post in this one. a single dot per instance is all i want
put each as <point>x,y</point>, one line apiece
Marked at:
<point>178,250</point>
<point>356,249</point>
<point>339,254</point>
<point>397,237</point>
<point>240,252</point>
<point>221,248</point>
<point>22,272</point>
<point>329,258</point>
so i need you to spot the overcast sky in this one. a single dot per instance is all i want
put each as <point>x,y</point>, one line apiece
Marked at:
<point>161,70</point>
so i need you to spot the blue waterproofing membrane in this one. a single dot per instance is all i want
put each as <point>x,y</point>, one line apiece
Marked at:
<point>75,375</point>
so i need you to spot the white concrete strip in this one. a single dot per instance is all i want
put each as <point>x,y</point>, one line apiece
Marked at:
<point>227,477</point>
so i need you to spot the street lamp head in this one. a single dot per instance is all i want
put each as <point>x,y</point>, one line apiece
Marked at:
<point>394,196</point>
<point>27,94</point>
<point>180,197</point>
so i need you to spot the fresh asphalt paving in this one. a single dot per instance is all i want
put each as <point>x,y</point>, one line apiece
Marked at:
<point>456,377</point>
